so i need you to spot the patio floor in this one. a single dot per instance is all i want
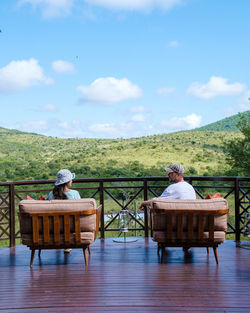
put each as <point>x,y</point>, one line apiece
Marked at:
<point>125,278</point>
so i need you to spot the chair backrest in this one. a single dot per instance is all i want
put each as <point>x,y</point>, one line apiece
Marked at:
<point>186,224</point>
<point>54,234</point>
<point>58,221</point>
<point>187,212</point>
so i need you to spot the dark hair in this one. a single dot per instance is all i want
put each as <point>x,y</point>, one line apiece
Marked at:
<point>58,192</point>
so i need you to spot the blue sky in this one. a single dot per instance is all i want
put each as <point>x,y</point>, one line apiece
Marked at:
<point>122,68</point>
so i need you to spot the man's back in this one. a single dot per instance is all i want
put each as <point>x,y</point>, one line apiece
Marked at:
<point>181,190</point>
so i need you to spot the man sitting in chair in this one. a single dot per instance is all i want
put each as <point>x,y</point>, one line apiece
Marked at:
<point>180,189</point>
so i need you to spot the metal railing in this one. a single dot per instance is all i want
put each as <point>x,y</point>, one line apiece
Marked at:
<point>124,193</point>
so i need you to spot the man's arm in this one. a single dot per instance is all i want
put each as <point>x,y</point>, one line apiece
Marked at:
<point>146,203</point>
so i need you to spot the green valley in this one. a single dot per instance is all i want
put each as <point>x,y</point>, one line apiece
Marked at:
<point>26,156</point>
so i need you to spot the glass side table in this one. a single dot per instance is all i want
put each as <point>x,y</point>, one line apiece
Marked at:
<point>123,225</point>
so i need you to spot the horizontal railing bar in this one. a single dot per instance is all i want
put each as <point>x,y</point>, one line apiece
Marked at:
<point>117,179</point>
<point>122,187</point>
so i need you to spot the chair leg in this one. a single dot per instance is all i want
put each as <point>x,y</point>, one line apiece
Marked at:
<point>216,255</point>
<point>207,250</point>
<point>158,248</point>
<point>85,256</point>
<point>89,250</point>
<point>39,253</point>
<point>32,257</point>
<point>162,253</point>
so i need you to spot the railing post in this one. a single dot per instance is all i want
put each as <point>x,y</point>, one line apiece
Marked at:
<point>237,209</point>
<point>102,212</point>
<point>12,215</point>
<point>145,191</point>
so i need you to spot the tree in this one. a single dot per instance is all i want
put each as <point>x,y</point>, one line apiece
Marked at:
<point>238,150</point>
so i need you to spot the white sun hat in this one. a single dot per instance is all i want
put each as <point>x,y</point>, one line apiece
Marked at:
<point>64,176</point>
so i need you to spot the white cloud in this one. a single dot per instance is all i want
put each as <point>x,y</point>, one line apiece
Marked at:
<point>70,125</point>
<point>72,129</point>
<point>243,104</point>
<point>138,118</point>
<point>61,66</point>
<point>54,127</point>
<point>35,126</point>
<point>51,8</point>
<point>135,5</point>
<point>183,123</point>
<point>110,90</point>
<point>103,128</point>
<point>217,86</point>
<point>165,91</point>
<point>138,108</point>
<point>111,130</point>
<point>18,75</point>
<point>173,43</point>
<point>79,129</point>
<point>242,107</point>
<point>47,108</point>
<point>245,99</point>
<point>58,8</point>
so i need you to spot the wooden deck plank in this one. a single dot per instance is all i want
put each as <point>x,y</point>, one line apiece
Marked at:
<point>125,278</point>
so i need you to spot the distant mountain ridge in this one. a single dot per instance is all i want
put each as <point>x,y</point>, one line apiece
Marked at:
<point>29,156</point>
<point>8,131</point>
<point>226,124</point>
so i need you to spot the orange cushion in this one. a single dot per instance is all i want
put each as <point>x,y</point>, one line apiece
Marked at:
<point>40,198</point>
<point>29,198</point>
<point>216,195</point>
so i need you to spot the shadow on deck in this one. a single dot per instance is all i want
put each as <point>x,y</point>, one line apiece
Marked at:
<point>125,278</point>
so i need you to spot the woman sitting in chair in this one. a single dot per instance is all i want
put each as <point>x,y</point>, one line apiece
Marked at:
<point>62,189</point>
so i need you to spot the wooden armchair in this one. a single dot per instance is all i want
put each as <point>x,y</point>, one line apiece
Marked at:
<point>58,224</point>
<point>188,223</point>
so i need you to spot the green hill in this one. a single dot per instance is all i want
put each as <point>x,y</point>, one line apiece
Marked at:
<point>25,156</point>
<point>226,124</point>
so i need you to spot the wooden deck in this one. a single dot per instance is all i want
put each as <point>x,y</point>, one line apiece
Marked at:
<point>125,278</point>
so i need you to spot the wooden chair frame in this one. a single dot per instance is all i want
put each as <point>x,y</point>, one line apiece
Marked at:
<point>192,238</point>
<point>52,240</point>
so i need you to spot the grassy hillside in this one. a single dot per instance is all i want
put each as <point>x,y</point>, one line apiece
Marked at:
<point>226,124</point>
<point>26,156</point>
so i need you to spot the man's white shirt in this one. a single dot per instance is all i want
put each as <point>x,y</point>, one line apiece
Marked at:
<point>181,190</point>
